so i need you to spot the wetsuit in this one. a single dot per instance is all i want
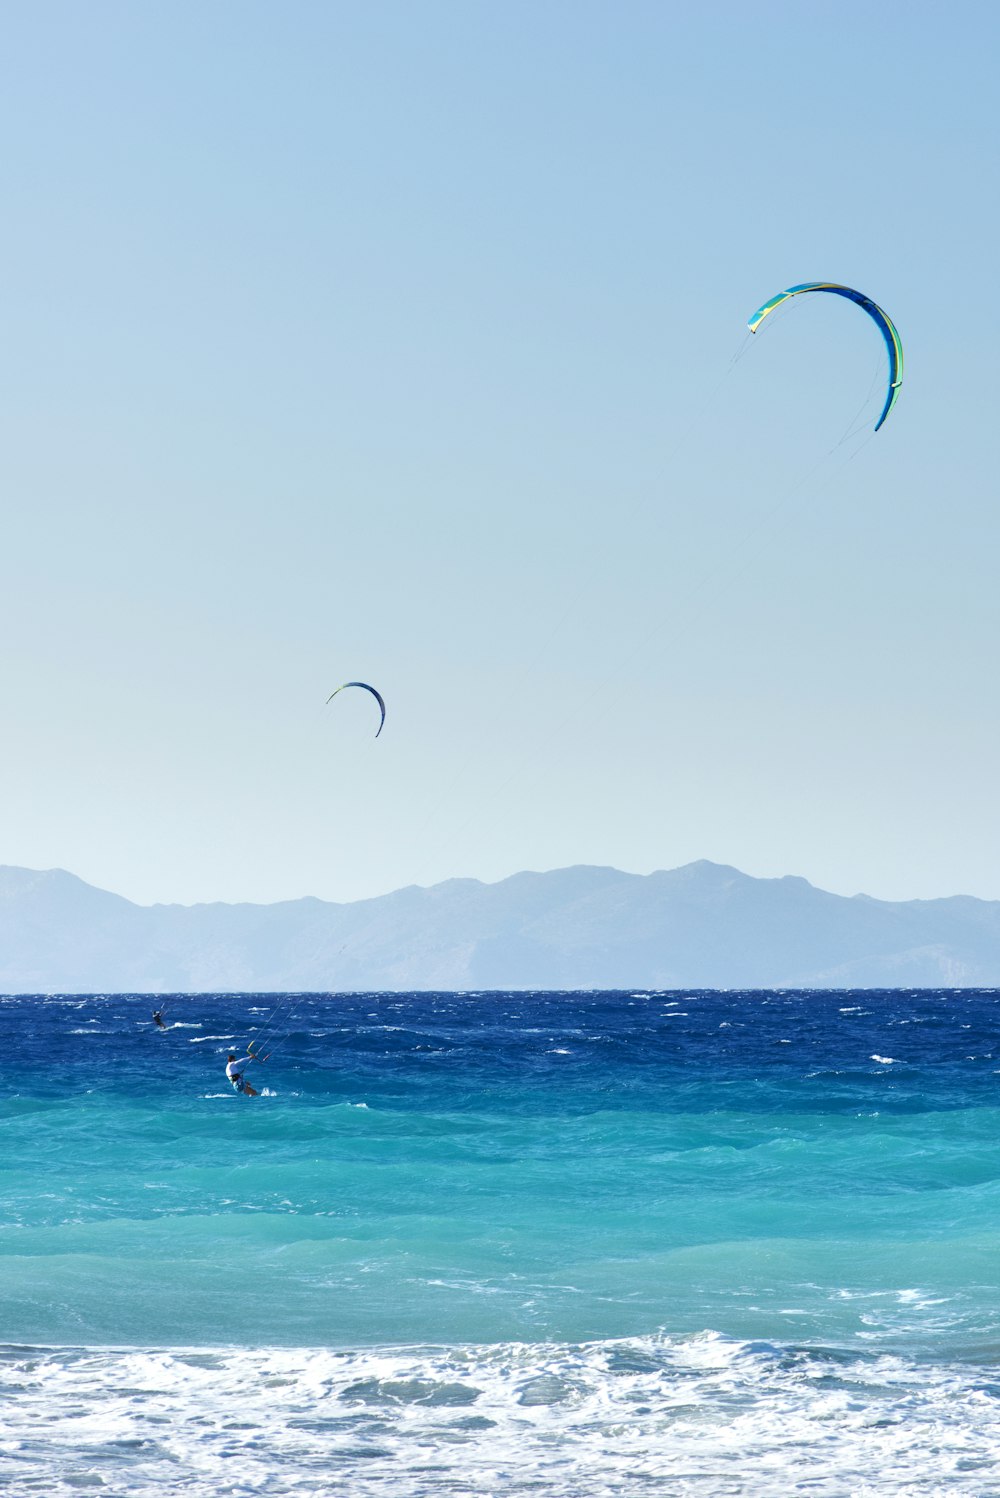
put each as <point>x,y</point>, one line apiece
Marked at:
<point>234,1071</point>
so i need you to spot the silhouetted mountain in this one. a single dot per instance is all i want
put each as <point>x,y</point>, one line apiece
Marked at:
<point>704,925</point>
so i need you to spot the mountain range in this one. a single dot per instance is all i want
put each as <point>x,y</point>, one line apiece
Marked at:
<point>704,925</point>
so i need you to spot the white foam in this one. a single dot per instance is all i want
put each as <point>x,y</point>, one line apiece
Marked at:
<point>701,1417</point>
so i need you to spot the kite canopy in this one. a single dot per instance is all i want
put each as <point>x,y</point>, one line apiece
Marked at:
<point>883,321</point>
<point>376,695</point>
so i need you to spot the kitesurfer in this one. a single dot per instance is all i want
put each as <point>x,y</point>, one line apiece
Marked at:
<point>235,1069</point>
<point>158,1019</point>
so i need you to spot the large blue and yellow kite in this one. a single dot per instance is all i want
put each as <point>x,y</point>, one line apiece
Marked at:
<point>882,319</point>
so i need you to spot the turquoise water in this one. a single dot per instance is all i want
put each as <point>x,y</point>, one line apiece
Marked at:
<point>745,1202</point>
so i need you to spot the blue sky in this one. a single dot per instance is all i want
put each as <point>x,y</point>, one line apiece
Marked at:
<point>396,342</point>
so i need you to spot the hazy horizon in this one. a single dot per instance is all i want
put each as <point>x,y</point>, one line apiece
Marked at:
<point>791,874</point>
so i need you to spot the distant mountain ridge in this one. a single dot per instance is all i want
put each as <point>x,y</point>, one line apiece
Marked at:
<point>704,925</point>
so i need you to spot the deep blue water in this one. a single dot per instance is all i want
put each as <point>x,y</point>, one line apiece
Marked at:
<point>756,1206</point>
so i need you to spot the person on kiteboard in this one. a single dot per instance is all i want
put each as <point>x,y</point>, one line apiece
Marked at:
<point>234,1071</point>
<point>158,1019</point>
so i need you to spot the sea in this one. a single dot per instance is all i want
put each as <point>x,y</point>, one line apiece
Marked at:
<point>574,1244</point>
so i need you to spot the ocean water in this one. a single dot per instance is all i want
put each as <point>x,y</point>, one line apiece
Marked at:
<point>549,1244</point>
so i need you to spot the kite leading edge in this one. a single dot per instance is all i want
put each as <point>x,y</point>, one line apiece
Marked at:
<point>881,319</point>
<point>376,695</point>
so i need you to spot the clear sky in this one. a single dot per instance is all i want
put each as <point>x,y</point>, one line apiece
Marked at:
<point>395,341</point>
